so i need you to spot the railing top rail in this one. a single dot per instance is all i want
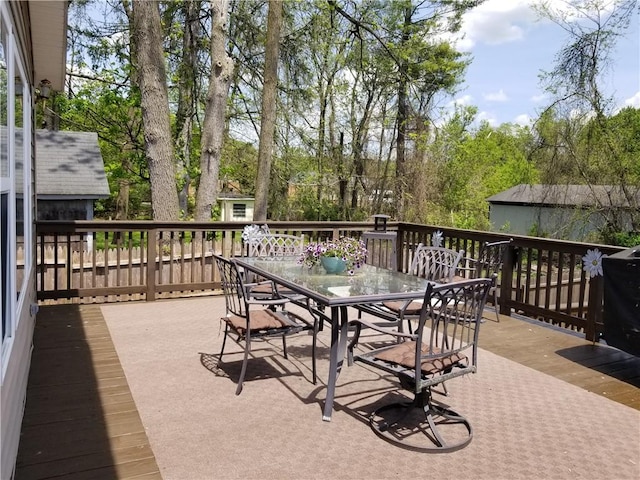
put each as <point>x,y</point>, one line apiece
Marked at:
<point>568,246</point>
<point>93,225</point>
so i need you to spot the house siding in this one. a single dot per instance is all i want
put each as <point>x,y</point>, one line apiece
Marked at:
<point>227,211</point>
<point>14,386</point>
<point>557,222</point>
<point>569,212</point>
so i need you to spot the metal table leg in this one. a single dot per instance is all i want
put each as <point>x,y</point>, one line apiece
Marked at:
<point>339,334</point>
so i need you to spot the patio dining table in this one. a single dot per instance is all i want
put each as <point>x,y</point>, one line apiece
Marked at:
<point>368,284</point>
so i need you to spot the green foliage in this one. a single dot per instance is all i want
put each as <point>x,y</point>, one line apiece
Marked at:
<point>623,239</point>
<point>238,165</point>
<point>467,165</point>
<point>336,167</point>
<point>117,240</point>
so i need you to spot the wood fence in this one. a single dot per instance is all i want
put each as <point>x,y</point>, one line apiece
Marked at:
<point>95,262</point>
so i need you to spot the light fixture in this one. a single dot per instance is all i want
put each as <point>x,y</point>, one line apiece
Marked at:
<point>45,88</point>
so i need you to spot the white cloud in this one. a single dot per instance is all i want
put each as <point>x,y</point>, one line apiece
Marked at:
<point>495,22</point>
<point>539,98</point>
<point>523,120</point>
<point>488,117</point>
<point>498,96</point>
<point>633,101</point>
<point>463,100</point>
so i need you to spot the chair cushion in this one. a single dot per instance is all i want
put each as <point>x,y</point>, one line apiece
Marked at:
<point>396,306</point>
<point>261,320</point>
<point>404,354</point>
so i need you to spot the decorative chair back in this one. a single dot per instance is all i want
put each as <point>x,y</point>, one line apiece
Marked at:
<point>491,258</point>
<point>452,316</point>
<point>276,245</point>
<point>232,286</point>
<point>435,263</point>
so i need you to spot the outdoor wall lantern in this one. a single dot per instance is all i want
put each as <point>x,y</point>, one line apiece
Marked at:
<point>44,88</point>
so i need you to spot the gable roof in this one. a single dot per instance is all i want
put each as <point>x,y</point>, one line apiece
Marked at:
<point>564,195</point>
<point>69,165</point>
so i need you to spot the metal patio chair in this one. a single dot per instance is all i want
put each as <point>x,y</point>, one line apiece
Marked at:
<point>443,347</point>
<point>248,319</point>
<point>438,264</point>
<point>489,262</point>
<point>272,246</point>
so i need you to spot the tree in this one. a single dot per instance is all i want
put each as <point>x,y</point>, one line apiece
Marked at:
<point>268,118</point>
<point>154,104</point>
<point>189,32</point>
<point>405,30</point>
<point>578,142</point>
<point>213,127</point>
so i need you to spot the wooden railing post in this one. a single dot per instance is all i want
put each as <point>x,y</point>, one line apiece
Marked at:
<point>594,308</point>
<point>400,248</point>
<point>152,264</point>
<point>506,280</point>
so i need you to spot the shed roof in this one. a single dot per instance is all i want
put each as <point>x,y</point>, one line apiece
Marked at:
<point>69,165</point>
<point>565,195</point>
<point>234,196</point>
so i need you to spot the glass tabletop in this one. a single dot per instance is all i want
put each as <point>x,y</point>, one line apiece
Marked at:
<point>368,283</point>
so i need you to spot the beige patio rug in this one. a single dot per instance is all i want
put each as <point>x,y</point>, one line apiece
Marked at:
<point>527,425</point>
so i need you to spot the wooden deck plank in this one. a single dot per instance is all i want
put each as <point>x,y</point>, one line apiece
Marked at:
<point>128,462</point>
<point>594,367</point>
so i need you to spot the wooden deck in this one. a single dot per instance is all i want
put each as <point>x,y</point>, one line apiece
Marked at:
<point>81,421</point>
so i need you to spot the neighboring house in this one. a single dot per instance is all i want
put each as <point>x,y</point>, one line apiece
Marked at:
<point>33,37</point>
<point>569,212</point>
<point>235,207</point>
<point>70,175</point>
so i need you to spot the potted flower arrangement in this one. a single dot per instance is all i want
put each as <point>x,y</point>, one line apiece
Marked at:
<point>347,253</point>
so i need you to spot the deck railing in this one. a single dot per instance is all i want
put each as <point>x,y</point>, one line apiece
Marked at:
<point>97,262</point>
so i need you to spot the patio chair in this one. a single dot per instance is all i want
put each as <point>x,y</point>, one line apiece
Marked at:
<point>489,262</point>
<point>443,347</point>
<point>437,264</point>
<point>273,246</point>
<point>249,319</point>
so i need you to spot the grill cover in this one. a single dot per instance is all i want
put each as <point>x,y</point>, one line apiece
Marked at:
<point>622,300</point>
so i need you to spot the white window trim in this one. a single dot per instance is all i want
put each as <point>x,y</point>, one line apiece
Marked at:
<point>7,185</point>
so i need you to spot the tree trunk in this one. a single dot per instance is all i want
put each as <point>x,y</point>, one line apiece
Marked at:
<point>155,110</point>
<point>403,114</point>
<point>213,126</point>
<point>188,72</point>
<point>268,120</point>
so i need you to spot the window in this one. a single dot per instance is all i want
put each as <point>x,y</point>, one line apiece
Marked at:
<point>6,285</point>
<point>16,191</point>
<point>239,210</point>
<point>4,261</point>
<point>22,177</point>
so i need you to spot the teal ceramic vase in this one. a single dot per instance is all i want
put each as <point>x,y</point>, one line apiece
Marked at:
<point>333,264</point>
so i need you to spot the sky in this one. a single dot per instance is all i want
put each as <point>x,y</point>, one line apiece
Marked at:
<point>510,47</point>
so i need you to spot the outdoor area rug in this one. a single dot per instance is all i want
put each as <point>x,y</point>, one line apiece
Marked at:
<point>527,425</point>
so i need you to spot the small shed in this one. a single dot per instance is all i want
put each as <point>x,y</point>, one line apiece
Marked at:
<point>236,207</point>
<point>567,212</point>
<point>70,175</point>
